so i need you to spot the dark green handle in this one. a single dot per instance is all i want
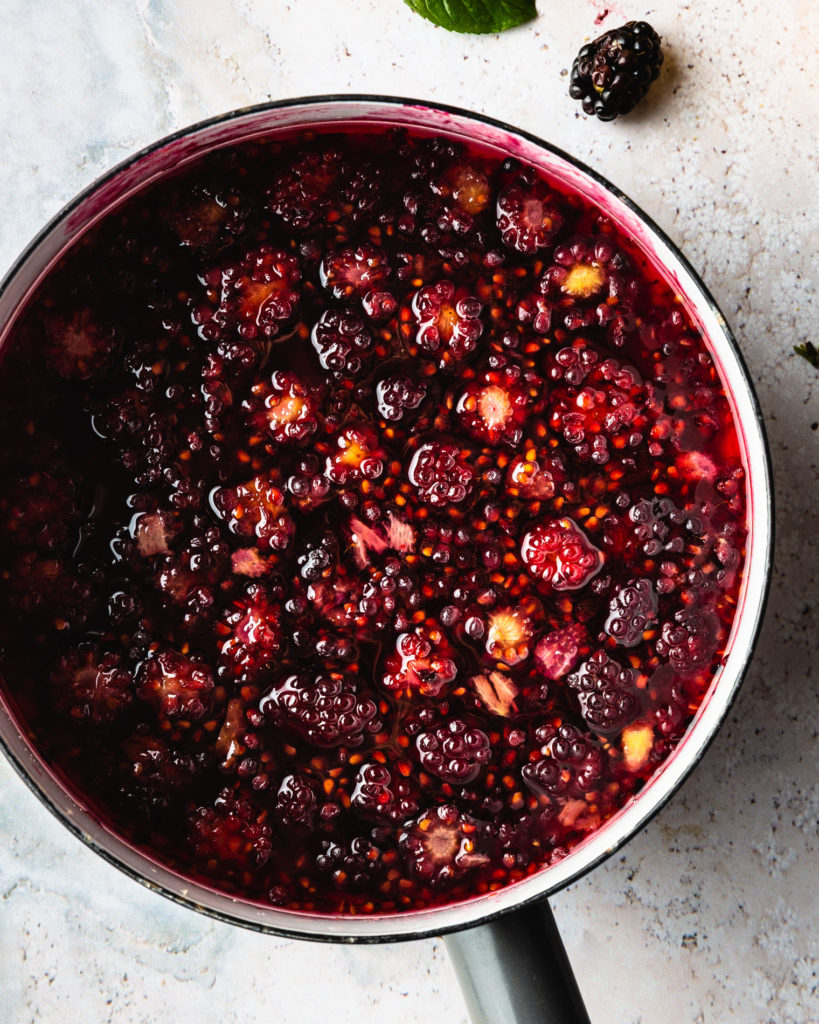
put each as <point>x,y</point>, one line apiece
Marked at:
<point>514,970</point>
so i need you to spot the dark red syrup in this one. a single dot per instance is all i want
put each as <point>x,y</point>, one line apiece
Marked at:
<point>372,521</point>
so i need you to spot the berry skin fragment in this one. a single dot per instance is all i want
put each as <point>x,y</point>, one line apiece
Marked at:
<point>614,72</point>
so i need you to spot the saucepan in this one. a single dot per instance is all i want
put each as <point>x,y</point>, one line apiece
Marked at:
<point>504,944</point>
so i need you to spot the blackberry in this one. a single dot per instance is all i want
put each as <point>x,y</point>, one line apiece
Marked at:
<point>612,74</point>
<point>328,711</point>
<point>455,751</point>
<point>606,692</point>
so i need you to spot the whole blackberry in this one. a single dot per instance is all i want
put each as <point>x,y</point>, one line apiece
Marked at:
<point>612,74</point>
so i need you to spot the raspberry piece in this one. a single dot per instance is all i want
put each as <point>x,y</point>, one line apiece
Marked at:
<point>354,864</point>
<point>558,651</point>
<point>328,710</point>
<point>496,692</point>
<point>256,510</point>
<point>285,410</point>
<point>569,763</point>
<point>606,691</point>
<point>395,533</point>
<point>302,194</point>
<point>259,294</point>
<point>296,804</point>
<point>528,216</point>
<point>352,273</point>
<point>231,835</point>
<point>248,562</point>
<point>231,743</point>
<point>448,322</point>
<point>92,685</point>
<point>632,610</point>
<point>691,640</point>
<point>509,635</point>
<point>455,752</point>
<point>420,662</point>
<point>494,410</point>
<point>559,554</point>
<point>179,687</point>
<point>154,531</point>
<point>443,845</point>
<point>343,343</point>
<point>380,795</point>
<point>441,474</point>
<point>79,347</point>
<point>359,455</point>
<point>399,396</point>
<point>250,635</point>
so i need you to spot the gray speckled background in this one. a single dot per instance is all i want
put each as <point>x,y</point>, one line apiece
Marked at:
<point>709,915</point>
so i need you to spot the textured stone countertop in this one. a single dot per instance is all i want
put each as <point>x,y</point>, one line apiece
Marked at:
<point>709,915</point>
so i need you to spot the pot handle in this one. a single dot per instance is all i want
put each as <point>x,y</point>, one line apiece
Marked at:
<point>514,970</point>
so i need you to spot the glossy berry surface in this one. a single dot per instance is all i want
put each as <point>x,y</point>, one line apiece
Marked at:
<point>371,524</point>
<point>614,72</point>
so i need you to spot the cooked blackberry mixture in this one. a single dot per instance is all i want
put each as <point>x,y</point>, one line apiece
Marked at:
<point>372,520</point>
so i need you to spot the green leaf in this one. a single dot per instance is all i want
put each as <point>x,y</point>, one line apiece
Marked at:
<point>475,15</point>
<point>808,351</point>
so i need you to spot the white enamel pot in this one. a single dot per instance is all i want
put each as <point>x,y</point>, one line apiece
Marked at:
<point>504,944</point>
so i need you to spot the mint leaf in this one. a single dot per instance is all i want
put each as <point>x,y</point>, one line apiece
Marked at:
<point>808,351</point>
<point>475,15</point>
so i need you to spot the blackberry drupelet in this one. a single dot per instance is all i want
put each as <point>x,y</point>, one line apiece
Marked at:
<point>612,74</point>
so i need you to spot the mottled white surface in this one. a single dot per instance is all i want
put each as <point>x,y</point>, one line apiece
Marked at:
<point>709,915</point>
